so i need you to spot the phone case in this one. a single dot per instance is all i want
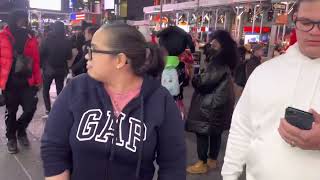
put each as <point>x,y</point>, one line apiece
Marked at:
<point>298,118</point>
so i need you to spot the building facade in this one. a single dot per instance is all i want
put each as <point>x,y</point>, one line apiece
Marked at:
<point>135,8</point>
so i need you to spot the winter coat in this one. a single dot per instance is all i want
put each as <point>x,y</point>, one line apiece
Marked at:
<point>212,101</point>
<point>55,51</point>
<point>31,50</point>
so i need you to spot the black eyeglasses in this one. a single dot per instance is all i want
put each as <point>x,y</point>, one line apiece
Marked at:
<point>91,50</point>
<point>306,25</point>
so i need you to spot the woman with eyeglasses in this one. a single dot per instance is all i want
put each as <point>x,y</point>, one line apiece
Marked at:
<point>115,121</point>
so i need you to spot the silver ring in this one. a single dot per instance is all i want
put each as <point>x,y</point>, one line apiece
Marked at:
<point>293,144</point>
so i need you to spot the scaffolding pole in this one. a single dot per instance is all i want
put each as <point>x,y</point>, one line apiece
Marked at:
<point>261,23</point>
<point>215,23</point>
<point>254,18</point>
<point>237,24</point>
<point>284,26</point>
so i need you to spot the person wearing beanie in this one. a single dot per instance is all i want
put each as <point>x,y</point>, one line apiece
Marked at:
<point>20,77</point>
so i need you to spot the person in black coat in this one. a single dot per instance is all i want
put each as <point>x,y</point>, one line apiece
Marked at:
<point>213,100</point>
<point>55,51</point>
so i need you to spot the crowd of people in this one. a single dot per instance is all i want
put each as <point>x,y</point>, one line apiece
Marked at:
<point>123,109</point>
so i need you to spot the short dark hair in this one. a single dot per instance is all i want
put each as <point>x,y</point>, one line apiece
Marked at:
<point>145,58</point>
<point>175,40</point>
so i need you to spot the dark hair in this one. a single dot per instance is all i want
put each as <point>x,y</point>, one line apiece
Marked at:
<point>229,52</point>
<point>175,40</point>
<point>144,58</point>
<point>92,29</point>
<point>15,16</point>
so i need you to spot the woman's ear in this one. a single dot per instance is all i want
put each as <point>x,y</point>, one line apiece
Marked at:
<point>121,60</point>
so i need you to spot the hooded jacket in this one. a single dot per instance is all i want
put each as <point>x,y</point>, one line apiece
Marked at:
<point>55,51</point>
<point>30,49</point>
<point>81,128</point>
<point>292,80</point>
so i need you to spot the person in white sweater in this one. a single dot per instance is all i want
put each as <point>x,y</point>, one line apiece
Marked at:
<point>260,137</point>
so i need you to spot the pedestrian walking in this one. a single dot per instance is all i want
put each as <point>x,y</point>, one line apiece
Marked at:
<point>20,77</point>
<point>56,50</point>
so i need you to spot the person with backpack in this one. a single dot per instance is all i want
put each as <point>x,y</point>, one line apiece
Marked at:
<point>56,50</point>
<point>175,41</point>
<point>212,101</point>
<point>20,77</point>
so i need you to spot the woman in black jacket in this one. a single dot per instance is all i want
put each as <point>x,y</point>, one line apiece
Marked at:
<point>213,100</point>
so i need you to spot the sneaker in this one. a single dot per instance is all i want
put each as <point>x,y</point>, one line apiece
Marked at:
<point>24,141</point>
<point>12,146</point>
<point>198,168</point>
<point>212,164</point>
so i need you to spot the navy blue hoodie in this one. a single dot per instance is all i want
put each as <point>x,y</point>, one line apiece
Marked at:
<point>81,129</point>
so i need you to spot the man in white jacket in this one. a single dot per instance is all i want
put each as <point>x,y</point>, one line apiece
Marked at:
<point>260,137</point>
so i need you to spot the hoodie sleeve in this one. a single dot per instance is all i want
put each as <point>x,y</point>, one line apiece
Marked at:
<point>56,152</point>
<point>240,135</point>
<point>171,155</point>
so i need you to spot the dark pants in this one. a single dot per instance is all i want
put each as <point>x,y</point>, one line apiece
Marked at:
<point>209,143</point>
<point>47,81</point>
<point>27,98</point>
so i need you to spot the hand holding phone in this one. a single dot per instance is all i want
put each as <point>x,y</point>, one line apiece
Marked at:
<point>298,118</point>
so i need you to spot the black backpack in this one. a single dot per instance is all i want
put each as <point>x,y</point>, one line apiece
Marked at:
<point>22,65</point>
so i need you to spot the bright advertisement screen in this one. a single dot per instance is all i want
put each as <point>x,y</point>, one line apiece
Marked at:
<point>251,38</point>
<point>46,4</point>
<point>109,4</point>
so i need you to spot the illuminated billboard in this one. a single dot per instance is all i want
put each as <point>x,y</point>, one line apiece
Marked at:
<point>108,4</point>
<point>46,4</point>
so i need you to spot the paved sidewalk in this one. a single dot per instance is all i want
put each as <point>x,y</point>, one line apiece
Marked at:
<point>25,165</point>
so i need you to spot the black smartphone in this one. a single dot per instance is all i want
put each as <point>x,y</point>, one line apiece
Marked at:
<point>298,118</point>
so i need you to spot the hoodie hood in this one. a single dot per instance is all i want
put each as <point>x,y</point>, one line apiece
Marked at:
<point>58,28</point>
